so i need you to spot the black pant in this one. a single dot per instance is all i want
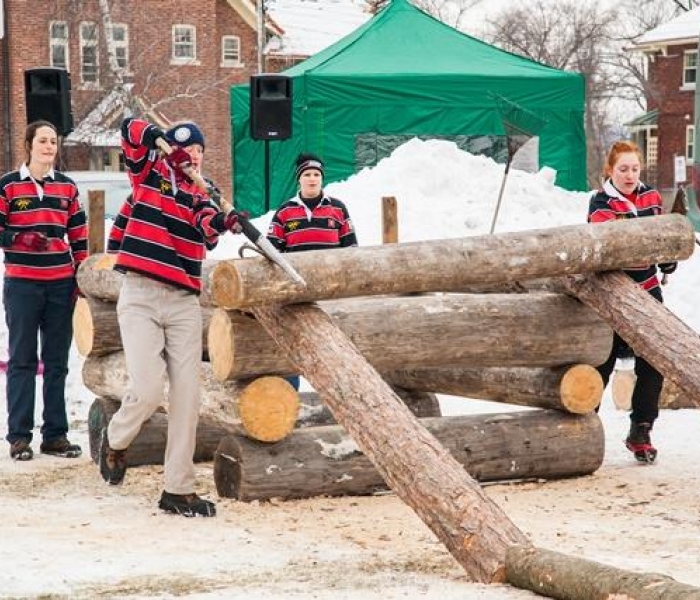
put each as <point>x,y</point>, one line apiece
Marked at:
<point>34,309</point>
<point>647,389</point>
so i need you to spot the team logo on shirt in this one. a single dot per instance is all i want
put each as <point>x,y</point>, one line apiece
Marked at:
<point>23,203</point>
<point>292,225</point>
<point>165,186</point>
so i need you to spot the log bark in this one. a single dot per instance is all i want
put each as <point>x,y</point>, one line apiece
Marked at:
<point>451,265</point>
<point>557,575</point>
<point>429,331</point>
<point>97,278</point>
<point>325,461</point>
<point>313,412</point>
<point>576,389</point>
<point>265,409</point>
<point>148,448</point>
<point>412,462</point>
<point>649,328</point>
<point>96,327</point>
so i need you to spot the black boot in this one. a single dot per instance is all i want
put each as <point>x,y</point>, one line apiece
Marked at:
<point>639,442</point>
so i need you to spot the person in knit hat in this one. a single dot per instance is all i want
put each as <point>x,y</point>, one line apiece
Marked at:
<point>160,238</point>
<point>311,220</point>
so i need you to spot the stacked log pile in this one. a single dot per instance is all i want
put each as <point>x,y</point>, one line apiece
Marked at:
<point>351,350</point>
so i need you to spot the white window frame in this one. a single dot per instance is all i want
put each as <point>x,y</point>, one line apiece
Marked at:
<point>227,60</point>
<point>89,43</point>
<point>178,30</point>
<point>121,47</point>
<point>688,68</point>
<point>58,42</point>
<point>690,143</point>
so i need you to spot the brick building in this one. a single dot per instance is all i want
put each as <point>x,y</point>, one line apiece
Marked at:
<point>667,130</point>
<point>181,58</point>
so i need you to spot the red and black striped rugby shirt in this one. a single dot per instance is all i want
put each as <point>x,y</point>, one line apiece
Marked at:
<point>51,207</point>
<point>296,228</point>
<point>609,204</point>
<point>161,230</point>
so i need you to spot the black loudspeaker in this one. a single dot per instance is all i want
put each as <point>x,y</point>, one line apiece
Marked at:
<point>270,107</point>
<point>47,96</point>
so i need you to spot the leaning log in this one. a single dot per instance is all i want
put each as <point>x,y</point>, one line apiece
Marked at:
<point>97,278</point>
<point>557,575</point>
<point>577,389</point>
<point>674,397</point>
<point>266,408</point>
<point>148,448</point>
<point>325,461</point>
<point>429,331</point>
<point>649,328</point>
<point>96,327</point>
<point>452,265</point>
<point>412,462</point>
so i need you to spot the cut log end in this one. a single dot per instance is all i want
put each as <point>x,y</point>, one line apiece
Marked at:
<point>226,285</point>
<point>581,389</point>
<point>268,409</point>
<point>83,332</point>
<point>220,344</point>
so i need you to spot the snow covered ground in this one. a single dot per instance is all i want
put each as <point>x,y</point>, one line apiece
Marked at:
<point>66,534</point>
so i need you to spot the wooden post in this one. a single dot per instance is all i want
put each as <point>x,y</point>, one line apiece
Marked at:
<point>96,221</point>
<point>390,220</point>
<point>409,459</point>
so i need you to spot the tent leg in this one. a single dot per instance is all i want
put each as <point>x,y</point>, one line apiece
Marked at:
<point>267,176</point>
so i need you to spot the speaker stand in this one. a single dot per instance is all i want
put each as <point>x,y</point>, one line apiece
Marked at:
<point>267,176</point>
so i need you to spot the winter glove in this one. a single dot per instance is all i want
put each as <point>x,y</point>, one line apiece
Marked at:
<point>229,221</point>
<point>668,268</point>
<point>29,241</point>
<point>151,135</point>
<point>179,160</point>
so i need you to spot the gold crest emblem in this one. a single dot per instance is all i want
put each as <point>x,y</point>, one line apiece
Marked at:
<point>165,186</point>
<point>23,203</point>
<point>292,225</point>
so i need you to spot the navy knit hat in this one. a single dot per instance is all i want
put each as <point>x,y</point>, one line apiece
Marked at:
<point>185,134</point>
<point>305,162</point>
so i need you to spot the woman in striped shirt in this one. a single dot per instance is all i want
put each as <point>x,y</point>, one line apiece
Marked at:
<point>624,196</point>
<point>43,234</point>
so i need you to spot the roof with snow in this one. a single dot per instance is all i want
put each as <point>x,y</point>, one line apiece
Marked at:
<point>684,29</point>
<point>311,25</point>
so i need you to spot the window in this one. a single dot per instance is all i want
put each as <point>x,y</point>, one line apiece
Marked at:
<point>89,57</point>
<point>58,44</point>
<point>120,37</point>
<point>690,65</point>
<point>184,44</point>
<point>231,51</point>
<point>690,143</point>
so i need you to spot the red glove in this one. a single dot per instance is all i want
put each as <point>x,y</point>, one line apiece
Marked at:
<point>30,241</point>
<point>231,221</point>
<point>179,160</point>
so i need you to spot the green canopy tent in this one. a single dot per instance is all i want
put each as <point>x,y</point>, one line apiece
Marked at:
<point>406,74</point>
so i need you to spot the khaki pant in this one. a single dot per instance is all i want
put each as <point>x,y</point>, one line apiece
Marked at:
<point>161,329</point>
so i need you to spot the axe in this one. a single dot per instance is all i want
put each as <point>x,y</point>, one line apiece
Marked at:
<point>261,243</point>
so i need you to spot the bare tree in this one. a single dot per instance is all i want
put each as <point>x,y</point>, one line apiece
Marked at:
<point>451,12</point>
<point>583,37</point>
